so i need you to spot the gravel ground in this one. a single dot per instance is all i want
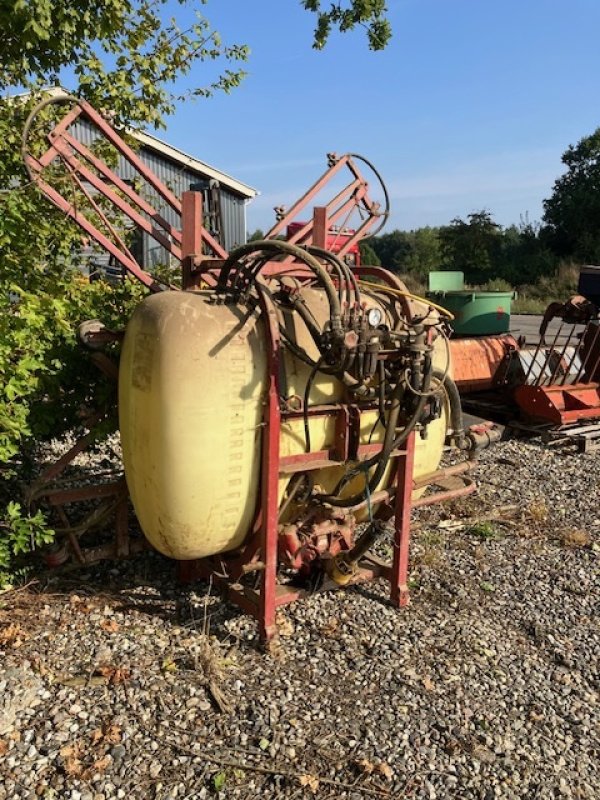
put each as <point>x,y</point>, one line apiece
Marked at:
<point>118,683</point>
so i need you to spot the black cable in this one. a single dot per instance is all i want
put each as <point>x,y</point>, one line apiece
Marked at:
<point>385,214</point>
<point>381,459</point>
<point>381,400</point>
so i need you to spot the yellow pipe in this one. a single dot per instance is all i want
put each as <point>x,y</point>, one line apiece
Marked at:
<point>383,288</point>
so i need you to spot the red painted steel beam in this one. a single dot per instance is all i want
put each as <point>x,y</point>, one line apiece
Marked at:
<point>123,148</point>
<point>399,593</point>
<point>306,197</point>
<point>103,241</point>
<point>124,187</point>
<point>117,201</point>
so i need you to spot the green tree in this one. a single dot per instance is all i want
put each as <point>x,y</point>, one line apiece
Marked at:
<point>368,256</point>
<point>425,251</point>
<point>392,249</point>
<point>369,14</point>
<point>472,247</point>
<point>525,255</point>
<point>256,235</point>
<point>573,211</point>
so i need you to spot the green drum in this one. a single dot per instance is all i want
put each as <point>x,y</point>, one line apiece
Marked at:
<point>476,313</point>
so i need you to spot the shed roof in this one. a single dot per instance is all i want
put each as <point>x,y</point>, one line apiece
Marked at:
<point>174,154</point>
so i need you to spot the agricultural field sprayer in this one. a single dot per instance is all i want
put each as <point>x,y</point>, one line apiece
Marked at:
<point>278,407</point>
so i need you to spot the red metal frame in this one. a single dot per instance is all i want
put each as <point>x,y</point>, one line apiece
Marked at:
<point>84,167</point>
<point>353,196</point>
<point>261,551</point>
<point>191,244</point>
<point>559,404</point>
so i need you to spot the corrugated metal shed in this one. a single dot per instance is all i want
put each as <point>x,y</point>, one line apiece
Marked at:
<point>179,171</point>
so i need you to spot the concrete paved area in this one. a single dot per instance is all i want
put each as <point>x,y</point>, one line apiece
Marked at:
<point>528,325</point>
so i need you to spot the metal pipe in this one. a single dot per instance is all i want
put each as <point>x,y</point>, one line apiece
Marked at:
<point>387,495</point>
<point>533,360</point>
<point>440,474</point>
<point>593,371</point>
<point>579,351</point>
<point>441,497</point>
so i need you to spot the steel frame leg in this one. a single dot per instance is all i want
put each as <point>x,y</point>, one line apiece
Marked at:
<point>270,507</point>
<point>399,592</point>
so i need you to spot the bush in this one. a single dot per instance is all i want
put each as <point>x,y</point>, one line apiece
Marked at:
<point>50,386</point>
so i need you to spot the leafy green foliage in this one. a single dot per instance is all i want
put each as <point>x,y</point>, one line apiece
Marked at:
<point>219,781</point>
<point>415,252</point>
<point>369,14</point>
<point>573,211</point>
<point>20,533</point>
<point>49,383</point>
<point>368,255</point>
<point>472,246</point>
<point>126,56</point>
<point>490,256</point>
<point>484,531</point>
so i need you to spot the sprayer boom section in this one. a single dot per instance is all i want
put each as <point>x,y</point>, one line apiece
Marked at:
<point>83,185</point>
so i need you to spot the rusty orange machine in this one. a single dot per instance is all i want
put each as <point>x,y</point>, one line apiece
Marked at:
<point>555,383</point>
<point>274,402</point>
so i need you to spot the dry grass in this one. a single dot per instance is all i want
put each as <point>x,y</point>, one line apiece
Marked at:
<point>430,552</point>
<point>538,511</point>
<point>574,537</point>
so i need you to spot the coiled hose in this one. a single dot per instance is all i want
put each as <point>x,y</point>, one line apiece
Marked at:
<point>279,248</point>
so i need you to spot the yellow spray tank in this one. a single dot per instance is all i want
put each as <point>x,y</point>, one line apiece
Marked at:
<point>192,386</point>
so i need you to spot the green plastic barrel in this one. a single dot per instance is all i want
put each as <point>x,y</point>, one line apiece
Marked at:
<point>476,313</point>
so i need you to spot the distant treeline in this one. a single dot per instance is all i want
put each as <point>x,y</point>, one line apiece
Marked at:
<point>528,253</point>
<point>477,246</point>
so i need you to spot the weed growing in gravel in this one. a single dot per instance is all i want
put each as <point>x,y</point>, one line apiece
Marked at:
<point>484,531</point>
<point>430,553</point>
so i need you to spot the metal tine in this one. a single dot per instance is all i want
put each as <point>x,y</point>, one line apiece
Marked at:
<point>533,360</point>
<point>550,351</point>
<point>595,369</point>
<point>562,355</point>
<point>587,358</point>
<point>577,353</point>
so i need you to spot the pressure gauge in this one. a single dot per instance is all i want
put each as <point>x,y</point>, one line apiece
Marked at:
<point>374,317</point>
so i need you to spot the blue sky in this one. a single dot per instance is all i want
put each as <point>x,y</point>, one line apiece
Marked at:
<point>469,107</point>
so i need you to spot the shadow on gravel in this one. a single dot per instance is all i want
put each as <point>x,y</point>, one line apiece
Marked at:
<point>147,584</point>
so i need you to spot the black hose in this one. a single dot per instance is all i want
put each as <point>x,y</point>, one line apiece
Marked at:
<point>284,248</point>
<point>385,214</point>
<point>341,267</point>
<point>308,319</point>
<point>381,459</point>
<point>364,542</point>
<point>336,267</point>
